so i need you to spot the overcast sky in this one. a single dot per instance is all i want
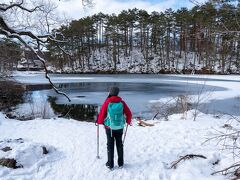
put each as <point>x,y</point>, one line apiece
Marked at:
<point>74,9</point>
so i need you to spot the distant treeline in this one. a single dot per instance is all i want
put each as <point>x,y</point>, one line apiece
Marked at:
<point>206,37</point>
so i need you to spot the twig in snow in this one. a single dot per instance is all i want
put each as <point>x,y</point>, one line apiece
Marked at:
<point>183,158</point>
<point>233,169</point>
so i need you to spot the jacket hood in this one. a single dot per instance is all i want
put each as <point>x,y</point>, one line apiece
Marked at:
<point>114,99</point>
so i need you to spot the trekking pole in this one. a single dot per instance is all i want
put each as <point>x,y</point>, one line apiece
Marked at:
<point>125,134</point>
<point>98,157</point>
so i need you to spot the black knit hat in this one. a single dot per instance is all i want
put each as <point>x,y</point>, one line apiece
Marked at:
<point>113,91</point>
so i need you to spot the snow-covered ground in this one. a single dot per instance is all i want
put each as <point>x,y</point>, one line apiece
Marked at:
<point>149,151</point>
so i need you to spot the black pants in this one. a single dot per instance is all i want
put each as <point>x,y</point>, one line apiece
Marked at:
<point>116,135</point>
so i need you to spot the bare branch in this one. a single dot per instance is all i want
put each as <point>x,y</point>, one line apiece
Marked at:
<point>87,3</point>
<point>227,171</point>
<point>195,2</point>
<point>183,158</point>
<point>35,40</point>
<point>5,7</point>
<point>14,35</point>
<point>4,25</point>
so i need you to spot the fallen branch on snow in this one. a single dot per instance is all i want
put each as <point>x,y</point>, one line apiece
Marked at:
<point>143,123</point>
<point>183,158</point>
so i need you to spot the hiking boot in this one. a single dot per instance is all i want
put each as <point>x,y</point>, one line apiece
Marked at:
<point>120,163</point>
<point>120,167</point>
<point>108,166</point>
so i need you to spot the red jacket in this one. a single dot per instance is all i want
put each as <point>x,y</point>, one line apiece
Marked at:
<point>103,112</point>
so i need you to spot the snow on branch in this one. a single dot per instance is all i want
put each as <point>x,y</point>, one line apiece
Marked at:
<point>21,36</point>
<point>39,38</point>
<point>228,137</point>
<point>5,7</point>
<point>17,36</point>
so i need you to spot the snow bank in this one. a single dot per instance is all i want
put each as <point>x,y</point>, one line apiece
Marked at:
<point>149,151</point>
<point>30,157</point>
<point>27,73</point>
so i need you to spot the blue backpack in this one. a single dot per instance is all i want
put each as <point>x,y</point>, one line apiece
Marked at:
<point>115,117</point>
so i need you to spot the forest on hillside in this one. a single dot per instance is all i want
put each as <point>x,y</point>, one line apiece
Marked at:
<point>204,39</point>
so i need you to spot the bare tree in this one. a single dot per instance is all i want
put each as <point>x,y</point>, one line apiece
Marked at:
<point>10,53</point>
<point>202,96</point>
<point>19,20</point>
<point>163,109</point>
<point>228,138</point>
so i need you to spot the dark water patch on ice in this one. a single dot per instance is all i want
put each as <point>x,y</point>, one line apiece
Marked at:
<point>225,106</point>
<point>81,112</point>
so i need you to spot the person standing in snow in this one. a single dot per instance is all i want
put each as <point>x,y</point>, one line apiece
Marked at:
<point>113,115</point>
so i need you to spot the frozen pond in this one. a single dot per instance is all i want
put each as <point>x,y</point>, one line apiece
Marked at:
<point>91,90</point>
